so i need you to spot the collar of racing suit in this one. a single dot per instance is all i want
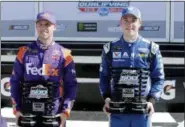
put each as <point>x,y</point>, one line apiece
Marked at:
<point>42,46</point>
<point>130,43</point>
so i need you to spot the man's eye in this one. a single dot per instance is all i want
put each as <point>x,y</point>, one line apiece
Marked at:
<point>125,20</point>
<point>47,24</point>
<point>134,20</point>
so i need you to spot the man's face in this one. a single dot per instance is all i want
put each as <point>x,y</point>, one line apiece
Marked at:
<point>45,29</point>
<point>130,25</point>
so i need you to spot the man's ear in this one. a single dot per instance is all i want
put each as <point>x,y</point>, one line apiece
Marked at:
<point>140,22</point>
<point>121,22</point>
<point>55,27</point>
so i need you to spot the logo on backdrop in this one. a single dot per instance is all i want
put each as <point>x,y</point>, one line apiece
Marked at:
<point>86,26</point>
<point>5,86</point>
<point>18,27</point>
<point>169,90</point>
<point>149,28</point>
<point>103,8</point>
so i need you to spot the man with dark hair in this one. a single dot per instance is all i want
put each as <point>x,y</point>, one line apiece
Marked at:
<point>43,81</point>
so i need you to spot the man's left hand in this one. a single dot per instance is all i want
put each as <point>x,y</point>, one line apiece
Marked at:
<point>63,120</point>
<point>150,108</point>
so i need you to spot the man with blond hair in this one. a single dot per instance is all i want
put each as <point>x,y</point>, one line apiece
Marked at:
<point>131,74</point>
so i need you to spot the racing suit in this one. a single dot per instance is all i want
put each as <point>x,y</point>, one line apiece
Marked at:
<point>140,54</point>
<point>54,64</point>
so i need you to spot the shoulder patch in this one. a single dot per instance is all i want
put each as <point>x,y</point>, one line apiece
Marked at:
<point>115,41</point>
<point>145,40</point>
<point>154,47</point>
<point>66,52</point>
<point>21,53</point>
<point>106,47</point>
<point>67,56</point>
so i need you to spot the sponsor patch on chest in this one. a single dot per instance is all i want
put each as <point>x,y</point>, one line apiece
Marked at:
<point>46,69</point>
<point>143,50</point>
<point>116,54</point>
<point>34,59</point>
<point>55,55</point>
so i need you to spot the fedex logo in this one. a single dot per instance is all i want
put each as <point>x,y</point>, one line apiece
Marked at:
<point>45,70</point>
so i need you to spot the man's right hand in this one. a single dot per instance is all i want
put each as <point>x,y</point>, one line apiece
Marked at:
<point>150,108</point>
<point>17,115</point>
<point>106,106</point>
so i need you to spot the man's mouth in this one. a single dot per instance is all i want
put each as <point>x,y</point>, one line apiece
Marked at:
<point>129,29</point>
<point>44,33</point>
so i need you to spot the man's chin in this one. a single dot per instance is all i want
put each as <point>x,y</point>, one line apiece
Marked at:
<point>130,34</point>
<point>43,37</point>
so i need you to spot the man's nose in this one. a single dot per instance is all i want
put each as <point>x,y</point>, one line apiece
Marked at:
<point>43,27</point>
<point>129,24</point>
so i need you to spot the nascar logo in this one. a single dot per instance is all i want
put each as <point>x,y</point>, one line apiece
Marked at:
<point>102,8</point>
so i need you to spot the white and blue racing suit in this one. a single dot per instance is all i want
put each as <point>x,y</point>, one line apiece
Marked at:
<point>140,54</point>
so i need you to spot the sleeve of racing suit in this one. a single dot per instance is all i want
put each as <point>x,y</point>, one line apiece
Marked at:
<point>105,72</point>
<point>15,79</point>
<point>70,83</point>
<point>157,74</point>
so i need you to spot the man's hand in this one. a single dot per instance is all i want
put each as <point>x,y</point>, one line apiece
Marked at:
<point>150,108</point>
<point>17,115</point>
<point>63,118</point>
<point>106,106</point>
